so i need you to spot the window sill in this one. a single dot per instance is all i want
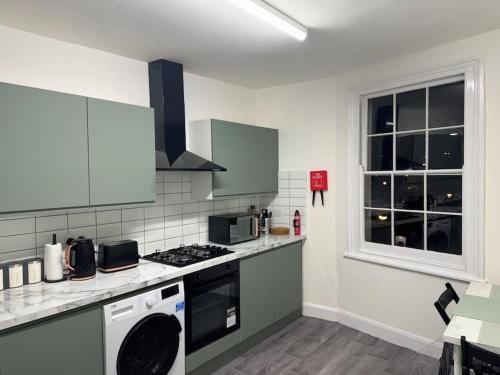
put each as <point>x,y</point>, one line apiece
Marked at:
<point>453,274</point>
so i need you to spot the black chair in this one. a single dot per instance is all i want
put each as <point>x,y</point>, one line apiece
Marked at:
<point>444,300</point>
<point>482,361</point>
<point>446,360</point>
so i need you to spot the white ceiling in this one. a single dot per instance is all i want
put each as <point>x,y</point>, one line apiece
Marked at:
<point>217,39</point>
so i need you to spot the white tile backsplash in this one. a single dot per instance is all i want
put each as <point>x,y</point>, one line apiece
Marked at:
<point>174,198</point>
<point>174,217</point>
<point>174,176</point>
<point>188,208</point>
<point>173,187</point>
<point>109,217</point>
<point>298,184</point>
<point>173,221</point>
<point>173,210</point>
<point>82,220</point>
<point>46,223</point>
<point>154,212</point>
<point>132,214</point>
<point>20,226</point>
<point>19,242</point>
<point>156,223</point>
<point>135,226</point>
<point>292,195</point>
<point>298,175</point>
<point>109,230</point>
<point>155,235</point>
<point>190,229</point>
<point>173,232</point>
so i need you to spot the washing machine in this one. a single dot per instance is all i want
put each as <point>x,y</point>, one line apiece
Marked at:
<point>144,334</point>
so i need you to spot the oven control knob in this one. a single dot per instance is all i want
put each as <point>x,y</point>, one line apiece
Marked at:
<point>150,302</point>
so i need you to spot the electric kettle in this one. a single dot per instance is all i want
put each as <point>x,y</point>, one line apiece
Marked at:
<point>79,257</point>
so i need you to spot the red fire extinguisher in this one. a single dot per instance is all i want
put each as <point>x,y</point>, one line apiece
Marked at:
<point>296,223</point>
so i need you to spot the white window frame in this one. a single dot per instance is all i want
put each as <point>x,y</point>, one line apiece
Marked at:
<point>469,265</point>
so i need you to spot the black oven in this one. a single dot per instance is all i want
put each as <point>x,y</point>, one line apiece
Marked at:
<point>212,304</point>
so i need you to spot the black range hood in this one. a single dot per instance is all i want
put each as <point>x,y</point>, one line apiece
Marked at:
<point>166,91</point>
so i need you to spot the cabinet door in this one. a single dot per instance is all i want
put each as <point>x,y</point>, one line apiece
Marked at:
<point>288,279</point>
<point>250,155</point>
<point>67,345</point>
<point>257,294</point>
<point>43,149</point>
<point>121,153</point>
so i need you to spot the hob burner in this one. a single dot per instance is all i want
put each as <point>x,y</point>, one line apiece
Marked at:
<point>186,255</point>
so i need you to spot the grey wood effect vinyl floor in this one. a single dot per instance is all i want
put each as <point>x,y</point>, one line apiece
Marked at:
<point>315,347</point>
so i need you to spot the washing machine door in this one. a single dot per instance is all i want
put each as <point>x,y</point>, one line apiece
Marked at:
<point>150,347</point>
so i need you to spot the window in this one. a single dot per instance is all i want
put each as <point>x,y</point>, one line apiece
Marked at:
<point>416,159</point>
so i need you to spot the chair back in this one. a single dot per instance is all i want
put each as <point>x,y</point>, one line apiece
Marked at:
<point>478,359</point>
<point>444,300</point>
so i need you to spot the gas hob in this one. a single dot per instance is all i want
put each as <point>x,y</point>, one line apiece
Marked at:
<point>186,255</point>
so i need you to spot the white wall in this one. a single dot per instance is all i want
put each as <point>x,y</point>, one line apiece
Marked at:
<point>31,60</point>
<point>36,61</point>
<point>304,115</point>
<point>313,120</point>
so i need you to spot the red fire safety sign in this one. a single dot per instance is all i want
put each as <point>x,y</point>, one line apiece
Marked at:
<point>319,182</point>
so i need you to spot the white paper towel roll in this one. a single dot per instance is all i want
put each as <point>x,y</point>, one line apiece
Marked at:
<point>53,262</point>
<point>1,278</point>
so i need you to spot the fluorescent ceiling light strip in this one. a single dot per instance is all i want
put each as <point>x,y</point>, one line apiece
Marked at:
<point>274,17</point>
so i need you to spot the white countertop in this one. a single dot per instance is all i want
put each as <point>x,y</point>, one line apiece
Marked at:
<point>31,302</point>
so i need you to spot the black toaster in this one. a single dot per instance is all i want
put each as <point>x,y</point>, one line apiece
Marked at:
<point>117,256</point>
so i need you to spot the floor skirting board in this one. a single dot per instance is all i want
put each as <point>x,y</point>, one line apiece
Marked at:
<point>380,330</point>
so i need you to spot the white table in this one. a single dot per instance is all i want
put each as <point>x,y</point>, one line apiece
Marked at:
<point>477,318</point>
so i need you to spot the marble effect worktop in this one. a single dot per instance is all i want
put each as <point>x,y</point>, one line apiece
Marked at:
<point>31,302</point>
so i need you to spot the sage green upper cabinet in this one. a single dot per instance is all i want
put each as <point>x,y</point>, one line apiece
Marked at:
<point>72,344</point>
<point>121,153</point>
<point>249,153</point>
<point>43,149</point>
<point>288,279</point>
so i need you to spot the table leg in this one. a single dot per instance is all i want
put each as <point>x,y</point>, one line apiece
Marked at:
<point>457,360</point>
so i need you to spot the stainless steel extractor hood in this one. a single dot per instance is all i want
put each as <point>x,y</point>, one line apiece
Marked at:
<point>166,90</point>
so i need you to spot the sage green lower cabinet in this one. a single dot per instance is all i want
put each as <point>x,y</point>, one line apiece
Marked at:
<point>270,297</point>
<point>256,294</point>
<point>287,279</point>
<point>121,153</point>
<point>71,344</point>
<point>43,149</point>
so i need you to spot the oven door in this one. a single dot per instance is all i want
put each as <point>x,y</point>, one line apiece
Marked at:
<point>212,310</point>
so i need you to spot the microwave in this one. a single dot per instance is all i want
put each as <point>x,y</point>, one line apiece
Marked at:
<point>230,229</point>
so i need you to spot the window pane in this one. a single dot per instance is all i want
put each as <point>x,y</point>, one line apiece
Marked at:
<point>446,105</point>
<point>444,234</point>
<point>378,191</point>
<point>380,119</point>
<point>410,151</point>
<point>378,226</point>
<point>380,153</point>
<point>410,108</point>
<point>446,149</point>
<point>444,193</point>
<point>409,192</point>
<point>409,230</point>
